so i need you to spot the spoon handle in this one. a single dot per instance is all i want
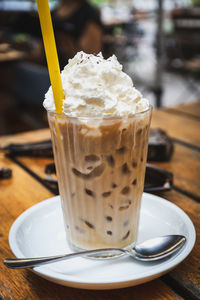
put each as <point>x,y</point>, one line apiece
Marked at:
<point>17,263</point>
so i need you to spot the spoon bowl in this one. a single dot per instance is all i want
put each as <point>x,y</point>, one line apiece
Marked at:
<point>150,250</point>
<point>157,248</point>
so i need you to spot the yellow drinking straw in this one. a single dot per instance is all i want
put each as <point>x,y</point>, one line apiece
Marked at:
<point>51,53</point>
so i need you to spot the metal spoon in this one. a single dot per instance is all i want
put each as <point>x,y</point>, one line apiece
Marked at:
<point>150,250</point>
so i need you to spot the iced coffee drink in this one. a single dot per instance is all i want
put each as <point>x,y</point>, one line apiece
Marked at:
<point>100,148</point>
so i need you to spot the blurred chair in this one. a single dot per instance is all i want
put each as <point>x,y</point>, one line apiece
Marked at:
<point>31,84</point>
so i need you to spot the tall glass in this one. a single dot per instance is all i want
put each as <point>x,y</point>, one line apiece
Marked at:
<point>100,167</point>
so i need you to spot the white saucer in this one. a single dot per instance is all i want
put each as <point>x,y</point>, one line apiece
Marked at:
<point>39,231</point>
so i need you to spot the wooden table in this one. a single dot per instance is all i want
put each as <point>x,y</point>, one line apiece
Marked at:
<point>22,191</point>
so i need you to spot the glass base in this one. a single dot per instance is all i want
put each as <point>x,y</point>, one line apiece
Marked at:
<point>107,255</point>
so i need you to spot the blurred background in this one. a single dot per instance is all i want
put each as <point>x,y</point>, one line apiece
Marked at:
<point>157,41</point>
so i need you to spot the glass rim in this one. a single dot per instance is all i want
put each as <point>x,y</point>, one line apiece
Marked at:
<point>106,118</point>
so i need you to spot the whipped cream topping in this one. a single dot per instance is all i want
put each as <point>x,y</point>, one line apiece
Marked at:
<point>97,87</point>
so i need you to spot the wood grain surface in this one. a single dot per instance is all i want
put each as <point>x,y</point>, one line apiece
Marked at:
<point>190,110</point>
<point>178,126</point>
<point>22,191</point>
<point>185,166</point>
<point>26,137</point>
